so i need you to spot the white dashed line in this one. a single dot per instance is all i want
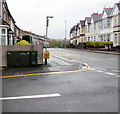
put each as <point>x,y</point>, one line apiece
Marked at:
<point>115,70</point>
<point>99,71</point>
<point>83,67</point>
<point>109,73</point>
<point>30,97</point>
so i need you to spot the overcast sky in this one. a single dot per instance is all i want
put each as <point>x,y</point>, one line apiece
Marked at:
<point>31,15</point>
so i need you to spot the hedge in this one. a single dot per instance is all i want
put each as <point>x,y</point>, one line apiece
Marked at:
<point>97,44</point>
<point>23,42</point>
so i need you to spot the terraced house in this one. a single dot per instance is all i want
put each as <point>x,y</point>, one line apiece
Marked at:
<point>99,27</point>
<point>10,32</point>
<point>116,24</point>
<point>36,39</point>
<point>73,35</point>
<point>7,25</point>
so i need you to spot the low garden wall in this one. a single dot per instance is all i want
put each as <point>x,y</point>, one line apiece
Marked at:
<point>5,48</point>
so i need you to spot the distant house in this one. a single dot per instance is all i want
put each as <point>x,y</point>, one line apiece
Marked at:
<point>107,29</point>
<point>17,34</point>
<point>10,32</point>
<point>82,31</point>
<point>87,28</point>
<point>116,24</point>
<point>73,35</point>
<point>78,33</point>
<point>103,27</point>
<point>95,27</point>
<point>7,25</point>
<point>35,39</point>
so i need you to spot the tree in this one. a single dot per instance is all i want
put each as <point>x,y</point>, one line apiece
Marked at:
<point>27,38</point>
<point>58,43</point>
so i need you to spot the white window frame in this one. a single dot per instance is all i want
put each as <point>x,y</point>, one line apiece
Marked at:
<point>116,20</point>
<point>3,35</point>
<point>109,23</point>
<point>116,38</point>
<point>94,38</point>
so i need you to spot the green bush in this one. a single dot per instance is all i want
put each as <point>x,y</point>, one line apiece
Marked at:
<point>82,45</point>
<point>108,43</point>
<point>23,42</point>
<point>19,40</point>
<point>97,44</point>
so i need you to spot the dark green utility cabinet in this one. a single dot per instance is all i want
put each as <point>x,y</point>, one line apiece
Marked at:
<point>33,58</point>
<point>21,58</point>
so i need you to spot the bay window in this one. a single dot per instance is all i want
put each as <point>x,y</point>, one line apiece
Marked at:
<point>3,40</point>
<point>116,39</point>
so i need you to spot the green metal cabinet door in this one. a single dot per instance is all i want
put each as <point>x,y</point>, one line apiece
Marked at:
<point>33,58</point>
<point>18,58</point>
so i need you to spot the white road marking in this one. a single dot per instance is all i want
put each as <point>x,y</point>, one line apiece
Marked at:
<point>99,71</point>
<point>83,67</point>
<point>115,70</point>
<point>31,97</point>
<point>78,62</point>
<point>106,69</point>
<point>86,64</point>
<point>93,69</point>
<point>109,73</point>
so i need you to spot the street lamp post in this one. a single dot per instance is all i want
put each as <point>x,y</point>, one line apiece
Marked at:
<point>46,53</point>
<point>47,24</point>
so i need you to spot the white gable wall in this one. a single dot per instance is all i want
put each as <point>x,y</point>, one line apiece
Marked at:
<point>115,11</point>
<point>86,22</point>
<point>92,24</point>
<point>115,18</point>
<point>104,15</point>
<point>115,22</point>
<point>0,8</point>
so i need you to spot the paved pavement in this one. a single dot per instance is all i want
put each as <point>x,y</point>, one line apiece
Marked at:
<point>103,52</point>
<point>54,65</point>
<point>106,52</point>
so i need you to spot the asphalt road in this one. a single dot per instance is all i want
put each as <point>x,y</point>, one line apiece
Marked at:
<point>74,89</point>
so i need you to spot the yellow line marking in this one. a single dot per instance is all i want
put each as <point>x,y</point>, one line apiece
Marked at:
<point>62,58</point>
<point>35,74</point>
<point>47,73</point>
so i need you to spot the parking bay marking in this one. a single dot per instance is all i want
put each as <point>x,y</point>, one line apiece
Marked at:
<point>31,97</point>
